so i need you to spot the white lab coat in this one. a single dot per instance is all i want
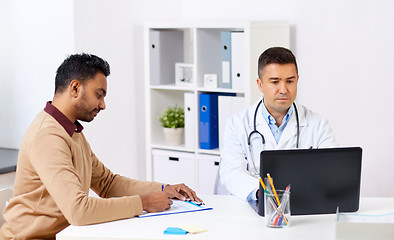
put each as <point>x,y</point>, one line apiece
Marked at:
<point>235,155</point>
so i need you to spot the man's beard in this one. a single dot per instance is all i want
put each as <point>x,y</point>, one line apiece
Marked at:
<point>83,113</point>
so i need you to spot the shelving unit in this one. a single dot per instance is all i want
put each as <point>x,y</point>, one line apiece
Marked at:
<point>198,44</point>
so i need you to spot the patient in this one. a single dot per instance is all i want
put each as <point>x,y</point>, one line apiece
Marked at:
<point>56,166</point>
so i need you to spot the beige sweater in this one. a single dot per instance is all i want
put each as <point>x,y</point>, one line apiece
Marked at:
<point>54,174</point>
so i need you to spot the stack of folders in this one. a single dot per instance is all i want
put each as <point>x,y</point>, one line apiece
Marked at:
<point>210,118</point>
<point>163,53</point>
<point>232,54</point>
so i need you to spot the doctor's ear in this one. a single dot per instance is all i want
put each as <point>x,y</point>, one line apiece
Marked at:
<point>260,84</point>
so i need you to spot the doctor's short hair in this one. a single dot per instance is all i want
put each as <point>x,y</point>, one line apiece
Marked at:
<point>279,55</point>
<point>81,67</point>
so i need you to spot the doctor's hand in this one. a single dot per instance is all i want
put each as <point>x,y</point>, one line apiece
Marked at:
<point>155,202</point>
<point>181,192</point>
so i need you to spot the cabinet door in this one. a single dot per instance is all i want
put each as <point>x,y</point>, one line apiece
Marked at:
<point>208,167</point>
<point>174,167</point>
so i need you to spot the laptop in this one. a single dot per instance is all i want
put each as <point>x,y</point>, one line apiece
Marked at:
<point>321,179</point>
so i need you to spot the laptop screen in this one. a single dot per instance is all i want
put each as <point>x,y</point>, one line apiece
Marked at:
<point>321,179</point>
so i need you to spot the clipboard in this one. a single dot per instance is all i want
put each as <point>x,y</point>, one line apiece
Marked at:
<point>177,207</point>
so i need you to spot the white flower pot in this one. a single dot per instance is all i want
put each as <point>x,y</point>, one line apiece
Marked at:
<point>174,136</point>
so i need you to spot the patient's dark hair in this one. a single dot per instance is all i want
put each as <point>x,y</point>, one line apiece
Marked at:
<point>277,55</point>
<point>81,67</point>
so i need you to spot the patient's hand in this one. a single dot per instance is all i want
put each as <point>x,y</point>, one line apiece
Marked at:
<point>156,202</point>
<point>181,192</point>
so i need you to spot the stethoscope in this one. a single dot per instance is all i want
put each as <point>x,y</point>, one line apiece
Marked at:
<point>257,172</point>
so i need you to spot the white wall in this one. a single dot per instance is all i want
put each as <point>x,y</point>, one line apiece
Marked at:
<point>345,55</point>
<point>344,51</point>
<point>35,37</point>
<point>113,30</point>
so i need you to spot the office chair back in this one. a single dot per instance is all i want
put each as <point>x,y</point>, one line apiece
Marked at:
<point>5,195</point>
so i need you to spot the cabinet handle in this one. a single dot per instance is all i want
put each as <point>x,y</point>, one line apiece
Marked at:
<point>173,158</point>
<point>216,163</point>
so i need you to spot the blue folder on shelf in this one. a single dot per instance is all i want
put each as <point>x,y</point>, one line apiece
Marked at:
<point>209,120</point>
<point>209,132</point>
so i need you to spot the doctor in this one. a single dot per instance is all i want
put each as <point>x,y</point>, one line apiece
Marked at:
<point>273,122</point>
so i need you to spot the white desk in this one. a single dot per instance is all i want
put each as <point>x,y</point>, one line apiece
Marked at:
<point>230,218</point>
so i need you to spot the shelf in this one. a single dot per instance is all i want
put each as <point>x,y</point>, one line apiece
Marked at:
<point>232,24</point>
<point>224,90</point>
<point>201,45</point>
<point>215,151</point>
<point>191,88</point>
<point>172,87</point>
<point>181,148</point>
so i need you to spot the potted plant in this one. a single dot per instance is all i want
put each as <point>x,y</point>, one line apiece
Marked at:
<point>173,122</point>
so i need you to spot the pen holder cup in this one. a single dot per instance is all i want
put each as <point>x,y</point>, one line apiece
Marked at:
<point>277,215</point>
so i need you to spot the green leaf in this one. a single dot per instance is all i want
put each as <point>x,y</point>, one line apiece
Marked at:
<point>173,117</point>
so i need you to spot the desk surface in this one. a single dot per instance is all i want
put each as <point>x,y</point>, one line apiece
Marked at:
<point>230,218</point>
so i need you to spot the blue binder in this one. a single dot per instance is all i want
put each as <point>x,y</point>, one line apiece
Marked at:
<point>225,80</point>
<point>209,123</point>
<point>208,136</point>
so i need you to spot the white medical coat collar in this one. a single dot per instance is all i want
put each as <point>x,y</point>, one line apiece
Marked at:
<point>289,131</point>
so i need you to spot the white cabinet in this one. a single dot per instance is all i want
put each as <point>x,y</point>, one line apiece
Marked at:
<point>174,167</point>
<point>208,166</point>
<point>198,45</point>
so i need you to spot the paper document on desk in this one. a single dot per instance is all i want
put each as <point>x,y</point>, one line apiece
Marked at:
<point>364,218</point>
<point>365,226</point>
<point>178,206</point>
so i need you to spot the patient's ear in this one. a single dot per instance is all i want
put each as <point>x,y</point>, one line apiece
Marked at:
<point>75,87</point>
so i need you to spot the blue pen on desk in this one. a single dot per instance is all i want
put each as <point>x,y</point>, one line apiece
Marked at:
<point>195,204</point>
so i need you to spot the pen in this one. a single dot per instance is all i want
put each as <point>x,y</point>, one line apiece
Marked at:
<point>276,195</point>
<point>269,198</point>
<point>280,220</point>
<point>266,192</point>
<point>285,195</point>
<point>195,204</point>
<point>284,199</point>
<point>262,183</point>
<point>273,188</point>
<point>288,189</point>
